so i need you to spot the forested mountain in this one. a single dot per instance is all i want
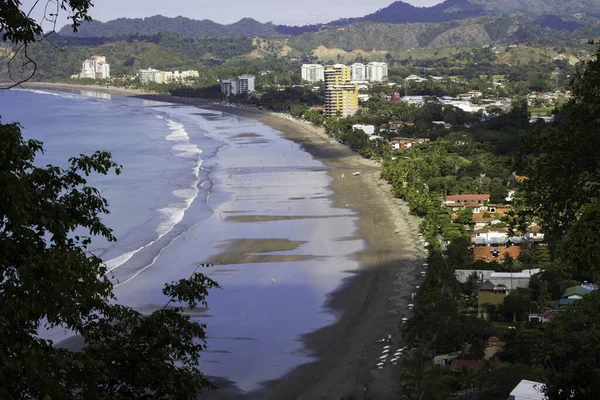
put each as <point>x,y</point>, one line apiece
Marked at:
<point>180,25</point>
<point>555,14</point>
<point>464,33</point>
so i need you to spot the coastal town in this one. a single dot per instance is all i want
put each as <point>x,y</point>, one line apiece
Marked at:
<point>403,205</point>
<point>497,265</point>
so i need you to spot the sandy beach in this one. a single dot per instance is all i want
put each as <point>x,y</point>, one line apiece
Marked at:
<point>370,304</point>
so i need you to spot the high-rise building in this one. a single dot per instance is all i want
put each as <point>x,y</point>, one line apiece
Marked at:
<point>148,75</point>
<point>245,84</point>
<point>228,87</point>
<point>358,72</point>
<point>154,75</point>
<point>95,67</point>
<point>377,71</point>
<point>341,96</point>
<point>313,73</point>
<point>241,84</point>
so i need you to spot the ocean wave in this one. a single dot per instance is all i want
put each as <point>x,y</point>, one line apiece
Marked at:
<point>37,91</point>
<point>172,214</point>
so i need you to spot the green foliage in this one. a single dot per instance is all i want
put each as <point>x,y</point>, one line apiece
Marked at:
<point>498,195</point>
<point>569,349</point>
<point>18,27</point>
<point>497,383</point>
<point>517,304</point>
<point>460,254</point>
<point>184,26</point>
<point>562,162</point>
<point>50,280</point>
<point>465,216</point>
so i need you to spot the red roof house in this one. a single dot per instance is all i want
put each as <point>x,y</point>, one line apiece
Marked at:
<point>466,198</point>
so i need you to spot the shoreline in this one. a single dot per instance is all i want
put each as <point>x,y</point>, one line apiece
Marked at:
<point>372,302</point>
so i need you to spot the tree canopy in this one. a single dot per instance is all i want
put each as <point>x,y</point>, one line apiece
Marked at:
<point>49,279</point>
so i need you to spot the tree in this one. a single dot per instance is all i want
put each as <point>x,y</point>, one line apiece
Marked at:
<point>459,252</point>
<point>49,279</point>
<point>19,28</point>
<point>465,216</point>
<point>563,164</point>
<point>498,195</point>
<point>569,349</point>
<point>517,304</point>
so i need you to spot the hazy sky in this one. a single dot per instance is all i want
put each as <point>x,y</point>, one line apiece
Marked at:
<point>291,12</point>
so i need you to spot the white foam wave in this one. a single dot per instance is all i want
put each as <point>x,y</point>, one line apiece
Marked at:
<point>173,213</point>
<point>37,91</point>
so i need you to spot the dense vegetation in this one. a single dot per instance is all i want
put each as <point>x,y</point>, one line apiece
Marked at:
<point>49,215</point>
<point>181,25</point>
<point>556,15</point>
<point>561,195</point>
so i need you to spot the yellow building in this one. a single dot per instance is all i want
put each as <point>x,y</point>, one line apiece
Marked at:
<point>341,96</point>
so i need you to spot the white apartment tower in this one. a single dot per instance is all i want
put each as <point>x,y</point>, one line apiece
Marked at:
<point>148,75</point>
<point>228,87</point>
<point>154,75</point>
<point>241,84</point>
<point>358,72</point>
<point>245,84</point>
<point>95,67</point>
<point>377,71</point>
<point>313,73</point>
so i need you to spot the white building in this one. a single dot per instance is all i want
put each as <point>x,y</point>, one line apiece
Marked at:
<point>154,75</point>
<point>511,280</point>
<point>245,84</point>
<point>95,67</point>
<point>415,78</point>
<point>313,73</point>
<point>377,71</point>
<point>417,100</point>
<point>368,129</point>
<point>228,87</point>
<point>241,84</point>
<point>358,72</point>
<point>148,75</point>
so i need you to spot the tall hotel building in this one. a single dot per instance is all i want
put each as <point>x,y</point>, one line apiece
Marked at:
<point>313,73</point>
<point>341,96</point>
<point>377,71</point>
<point>359,72</point>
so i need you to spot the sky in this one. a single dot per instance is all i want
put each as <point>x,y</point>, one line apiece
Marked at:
<point>288,12</point>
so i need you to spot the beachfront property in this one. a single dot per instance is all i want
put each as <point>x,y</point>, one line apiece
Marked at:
<point>239,85</point>
<point>377,71</point>
<point>153,75</point>
<point>401,143</point>
<point>94,67</point>
<point>341,96</point>
<point>313,73</point>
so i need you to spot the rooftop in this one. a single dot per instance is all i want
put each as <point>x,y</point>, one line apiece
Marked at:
<point>528,390</point>
<point>466,197</point>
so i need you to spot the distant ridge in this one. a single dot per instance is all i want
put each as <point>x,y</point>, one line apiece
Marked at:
<point>554,14</point>
<point>181,25</point>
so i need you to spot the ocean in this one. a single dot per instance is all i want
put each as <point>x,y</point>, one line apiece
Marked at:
<point>200,186</point>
